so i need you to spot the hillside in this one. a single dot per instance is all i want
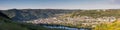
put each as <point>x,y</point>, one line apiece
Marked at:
<point>70,18</point>
<point>7,24</point>
<point>97,13</point>
<point>108,26</point>
<point>32,14</point>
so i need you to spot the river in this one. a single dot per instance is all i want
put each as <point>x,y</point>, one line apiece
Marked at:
<point>67,28</point>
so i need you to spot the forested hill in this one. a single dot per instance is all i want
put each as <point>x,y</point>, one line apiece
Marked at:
<point>32,14</point>
<point>7,24</point>
<point>63,16</point>
<point>3,15</point>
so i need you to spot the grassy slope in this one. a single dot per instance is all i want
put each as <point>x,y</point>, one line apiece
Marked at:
<point>109,26</point>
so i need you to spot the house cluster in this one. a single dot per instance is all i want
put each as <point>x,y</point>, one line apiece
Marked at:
<point>84,20</point>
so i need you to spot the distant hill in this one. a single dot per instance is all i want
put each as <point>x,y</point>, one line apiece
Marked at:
<point>6,23</point>
<point>32,14</point>
<point>97,13</point>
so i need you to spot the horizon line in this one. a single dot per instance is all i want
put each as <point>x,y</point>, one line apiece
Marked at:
<point>59,8</point>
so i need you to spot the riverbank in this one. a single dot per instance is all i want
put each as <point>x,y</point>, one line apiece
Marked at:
<point>63,27</point>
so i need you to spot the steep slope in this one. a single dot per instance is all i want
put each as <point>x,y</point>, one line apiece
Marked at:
<point>7,24</point>
<point>32,14</point>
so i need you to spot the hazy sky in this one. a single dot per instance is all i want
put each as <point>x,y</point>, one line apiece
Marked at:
<point>60,4</point>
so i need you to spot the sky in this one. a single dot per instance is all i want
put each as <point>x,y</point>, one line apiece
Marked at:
<point>60,4</point>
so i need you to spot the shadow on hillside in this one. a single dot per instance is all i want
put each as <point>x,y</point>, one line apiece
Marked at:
<point>33,14</point>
